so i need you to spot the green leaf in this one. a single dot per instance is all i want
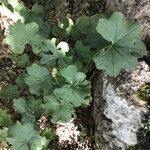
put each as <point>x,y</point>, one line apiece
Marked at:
<point>72,75</point>
<point>21,34</point>
<point>125,48</point>
<point>77,87</point>
<point>33,15</point>
<point>3,134</point>
<point>5,2</point>
<point>20,105</point>
<point>38,79</point>
<point>76,34</point>
<point>83,23</point>
<point>45,29</point>
<point>65,113</point>
<point>48,133</point>
<point>64,27</point>
<point>31,106</point>
<point>5,118</point>
<point>94,39</point>
<point>50,58</point>
<point>28,118</point>
<point>81,27</point>
<point>58,53</point>
<point>57,31</point>
<point>66,24</point>
<point>36,15</point>
<point>25,137</point>
<point>9,91</point>
<point>73,94</point>
<point>59,110</point>
<point>52,106</point>
<point>21,60</point>
<point>20,80</point>
<point>113,61</point>
<point>83,52</point>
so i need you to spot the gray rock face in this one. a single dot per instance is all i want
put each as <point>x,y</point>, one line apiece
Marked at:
<point>133,10</point>
<point>117,109</point>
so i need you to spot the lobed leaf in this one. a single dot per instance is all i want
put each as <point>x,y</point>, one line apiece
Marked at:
<point>20,105</point>
<point>25,137</point>
<point>83,51</point>
<point>76,89</point>
<point>9,91</point>
<point>3,134</point>
<point>22,34</point>
<point>59,110</point>
<point>125,48</point>
<point>21,60</point>
<point>38,79</point>
<point>5,118</point>
<point>57,53</point>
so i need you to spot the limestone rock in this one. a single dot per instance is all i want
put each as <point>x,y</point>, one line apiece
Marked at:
<point>133,10</point>
<point>117,109</point>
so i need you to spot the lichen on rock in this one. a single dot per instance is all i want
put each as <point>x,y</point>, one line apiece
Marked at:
<point>126,118</point>
<point>122,108</point>
<point>121,105</point>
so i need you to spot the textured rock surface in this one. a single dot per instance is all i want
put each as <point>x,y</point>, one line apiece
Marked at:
<point>56,9</point>
<point>134,10</point>
<point>117,110</point>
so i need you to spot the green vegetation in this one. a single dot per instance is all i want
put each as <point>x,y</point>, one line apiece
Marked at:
<point>54,60</point>
<point>144,93</point>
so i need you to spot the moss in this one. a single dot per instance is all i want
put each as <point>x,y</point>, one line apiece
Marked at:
<point>133,147</point>
<point>144,93</point>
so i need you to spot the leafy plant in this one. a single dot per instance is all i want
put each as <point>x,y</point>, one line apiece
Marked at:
<point>76,88</point>
<point>125,47</point>
<point>25,137</point>
<point>38,79</point>
<point>54,60</point>
<point>55,55</point>
<point>18,39</point>
<point>22,60</point>
<point>9,91</point>
<point>5,118</point>
<point>48,133</point>
<point>58,109</point>
<point>3,134</point>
